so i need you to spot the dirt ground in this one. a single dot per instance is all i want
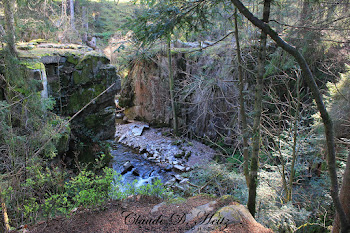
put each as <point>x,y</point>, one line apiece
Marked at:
<point>142,214</point>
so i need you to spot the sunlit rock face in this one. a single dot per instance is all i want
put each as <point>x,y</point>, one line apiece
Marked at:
<point>206,97</point>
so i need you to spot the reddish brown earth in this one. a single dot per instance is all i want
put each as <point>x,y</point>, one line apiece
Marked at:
<point>134,215</point>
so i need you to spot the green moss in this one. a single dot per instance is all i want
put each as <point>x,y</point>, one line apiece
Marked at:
<point>83,96</point>
<point>177,200</point>
<point>25,47</point>
<point>72,58</point>
<point>91,120</point>
<point>226,199</point>
<point>228,212</point>
<point>207,195</point>
<point>63,142</point>
<point>92,58</point>
<point>311,228</point>
<point>79,78</point>
<point>38,41</point>
<point>33,65</point>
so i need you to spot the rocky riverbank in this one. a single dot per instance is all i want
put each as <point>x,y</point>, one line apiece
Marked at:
<point>156,145</point>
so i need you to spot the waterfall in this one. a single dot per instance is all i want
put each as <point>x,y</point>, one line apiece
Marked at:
<point>44,92</point>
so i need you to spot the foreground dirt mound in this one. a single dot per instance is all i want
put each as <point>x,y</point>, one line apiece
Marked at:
<point>144,214</point>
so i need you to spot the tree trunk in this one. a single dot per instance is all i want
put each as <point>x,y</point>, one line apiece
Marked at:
<point>242,105</point>
<point>4,213</point>
<point>10,27</point>
<point>85,19</point>
<point>327,122</point>
<point>171,88</point>
<point>85,25</point>
<point>254,165</point>
<point>344,197</point>
<point>294,153</point>
<point>72,19</point>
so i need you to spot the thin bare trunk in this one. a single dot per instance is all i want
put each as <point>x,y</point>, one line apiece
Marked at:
<point>327,121</point>
<point>85,25</point>
<point>72,18</point>
<point>294,153</point>
<point>254,165</point>
<point>242,105</point>
<point>171,87</point>
<point>344,196</point>
<point>85,19</point>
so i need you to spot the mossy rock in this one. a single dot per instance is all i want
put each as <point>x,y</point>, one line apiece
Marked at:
<point>92,58</point>
<point>99,120</point>
<point>37,41</point>
<point>107,72</point>
<point>25,47</point>
<point>177,200</point>
<point>33,65</point>
<point>63,142</point>
<point>92,68</point>
<point>234,213</point>
<point>72,58</point>
<point>78,77</point>
<point>226,199</point>
<point>82,96</point>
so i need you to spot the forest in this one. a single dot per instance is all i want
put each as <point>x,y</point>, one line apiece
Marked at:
<point>175,116</point>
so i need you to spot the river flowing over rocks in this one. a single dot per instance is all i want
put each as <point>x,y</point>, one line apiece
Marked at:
<point>174,153</point>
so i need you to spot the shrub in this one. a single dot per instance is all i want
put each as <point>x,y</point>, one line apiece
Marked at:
<point>339,104</point>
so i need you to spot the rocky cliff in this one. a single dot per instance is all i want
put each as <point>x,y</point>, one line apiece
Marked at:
<point>206,96</point>
<point>73,76</point>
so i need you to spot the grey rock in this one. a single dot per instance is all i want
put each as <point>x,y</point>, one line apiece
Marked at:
<point>178,177</point>
<point>52,59</point>
<point>168,168</point>
<point>184,181</point>
<point>119,115</point>
<point>127,167</point>
<point>200,211</point>
<point>122,138</point>
<point>180,168</point>
<point>156,207</point>
<point>232,214</point>
<point>138,129</point>
<point>135,172</point>
<point>170,182</point>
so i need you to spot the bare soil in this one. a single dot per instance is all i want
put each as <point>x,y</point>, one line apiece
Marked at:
<point>137,214</point>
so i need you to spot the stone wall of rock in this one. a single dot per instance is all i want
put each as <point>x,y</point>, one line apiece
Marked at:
<point>207,96</point>
<point>74,80</point>
<point>73,76</point>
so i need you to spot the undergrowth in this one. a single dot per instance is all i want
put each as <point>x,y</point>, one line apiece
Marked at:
<point>54,192</point>
<point>309,205</point>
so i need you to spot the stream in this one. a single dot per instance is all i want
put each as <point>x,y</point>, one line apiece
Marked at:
<point>133,166</point>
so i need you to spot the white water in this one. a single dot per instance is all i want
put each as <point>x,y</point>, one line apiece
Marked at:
<point>147,171</point>
<point>44,92</point>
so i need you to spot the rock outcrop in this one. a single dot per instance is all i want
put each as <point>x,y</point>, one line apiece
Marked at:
<point>207,98</point>
<point>79,80</point>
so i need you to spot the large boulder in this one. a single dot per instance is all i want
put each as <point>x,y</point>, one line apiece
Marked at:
<point>232,218</point>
